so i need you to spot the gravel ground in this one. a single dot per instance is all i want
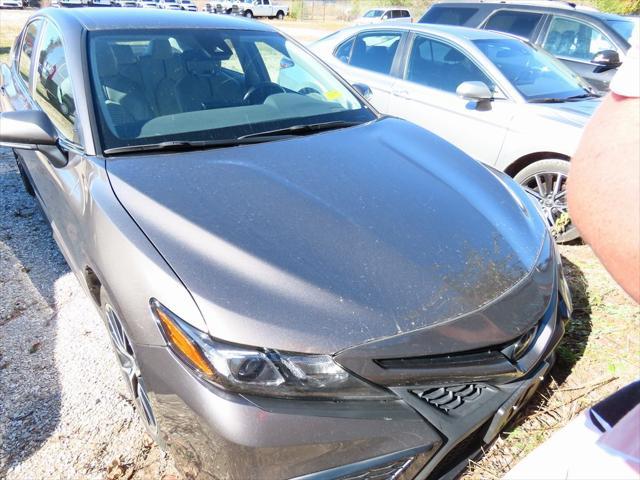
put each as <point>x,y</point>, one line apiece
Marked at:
<point>64,412</point>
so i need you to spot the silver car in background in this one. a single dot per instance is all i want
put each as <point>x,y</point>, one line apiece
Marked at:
<point>498,98</point>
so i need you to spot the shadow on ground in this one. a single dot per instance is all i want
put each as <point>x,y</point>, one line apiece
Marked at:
<point>29,268</point>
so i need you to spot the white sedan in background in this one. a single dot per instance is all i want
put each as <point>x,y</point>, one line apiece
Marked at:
<point>496,97</point>
<point>384,14</point>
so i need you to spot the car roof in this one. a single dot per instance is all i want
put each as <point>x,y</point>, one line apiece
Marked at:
<point>452,32</point>
<point>557,6</point>
<point>386,8</point>
<point>96,18</point>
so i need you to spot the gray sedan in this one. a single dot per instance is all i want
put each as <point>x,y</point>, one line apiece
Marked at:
<point>498,98</point>
<point>294,286</point>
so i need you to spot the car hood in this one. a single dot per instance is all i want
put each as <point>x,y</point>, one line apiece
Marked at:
<point>572,113</point>
<point>327,241</point>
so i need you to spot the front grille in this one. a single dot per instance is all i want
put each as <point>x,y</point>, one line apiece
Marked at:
<point>387,471</point>
<point>451,397</point>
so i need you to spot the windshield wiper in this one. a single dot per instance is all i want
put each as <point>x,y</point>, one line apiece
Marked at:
<point>304,129</point>
<point>572,98</point>
<point>180,145</point>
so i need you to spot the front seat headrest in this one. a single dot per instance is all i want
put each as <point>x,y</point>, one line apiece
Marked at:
<point>124,54</point>
<point>106,60</point>
<point>161,49</point>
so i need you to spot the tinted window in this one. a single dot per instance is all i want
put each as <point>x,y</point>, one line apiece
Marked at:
<point>26,49</point>
<point>571,39</point>
<point>343,52</point>
<point>521,24</point>
<point>438,65</point>
<point>448,16</point>
<point>532,71</point>
<point>170,85</point>
<point>53,85</point>
<point>373,14</point>
<point>375,51</point>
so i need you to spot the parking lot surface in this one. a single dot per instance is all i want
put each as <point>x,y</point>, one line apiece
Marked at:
<point>64,412</point>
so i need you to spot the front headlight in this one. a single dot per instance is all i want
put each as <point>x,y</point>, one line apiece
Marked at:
<point>259,371</point>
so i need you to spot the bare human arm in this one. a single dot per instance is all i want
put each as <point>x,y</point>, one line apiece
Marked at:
<point>604,189</point>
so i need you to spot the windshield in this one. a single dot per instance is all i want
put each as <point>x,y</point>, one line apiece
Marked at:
<point>373,14</point>
<point>624,28</point>
<point>532,71</point>
<point>155,85</point>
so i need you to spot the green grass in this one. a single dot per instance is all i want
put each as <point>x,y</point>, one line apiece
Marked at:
<point>11,22</point>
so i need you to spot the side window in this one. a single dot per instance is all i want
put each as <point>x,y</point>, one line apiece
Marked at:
<point>405,14</point>
<point>375,51</point>
<point>233,62</point>
<point>271,58</point>
<point>343,52</point>
<point>26,49</point>
<point>438,65</point>
<point>521,24</point>
<point>265,2</point>
<point>448,16</point>
<point>53,84</point>
<point>572,39</point>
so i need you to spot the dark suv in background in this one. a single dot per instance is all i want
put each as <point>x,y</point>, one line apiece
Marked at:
<point>590,42</point>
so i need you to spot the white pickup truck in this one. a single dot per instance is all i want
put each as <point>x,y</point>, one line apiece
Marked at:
<point>263,8</point>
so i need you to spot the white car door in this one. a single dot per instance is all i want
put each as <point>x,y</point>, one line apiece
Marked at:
<point>368,58</point>
<point>426,95</point>
<point>261,8</point>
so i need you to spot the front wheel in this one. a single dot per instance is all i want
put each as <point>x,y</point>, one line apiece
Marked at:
<point>130,369</point>
<point>248,14</point>
<point>280,15</point>
<point>546,181</point>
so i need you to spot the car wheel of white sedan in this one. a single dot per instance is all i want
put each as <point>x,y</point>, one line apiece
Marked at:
<point>546,181</point>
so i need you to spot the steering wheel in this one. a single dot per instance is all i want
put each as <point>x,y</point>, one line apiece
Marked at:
<point>259,93</point>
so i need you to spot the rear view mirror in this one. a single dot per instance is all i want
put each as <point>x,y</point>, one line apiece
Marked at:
<point>607,58</point>
<point>31,130</point>
<point>475,91</point>
<point>363,90</point>
<point>26,129</point>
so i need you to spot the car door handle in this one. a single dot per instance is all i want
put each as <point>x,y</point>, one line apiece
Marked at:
<point>401,93</point>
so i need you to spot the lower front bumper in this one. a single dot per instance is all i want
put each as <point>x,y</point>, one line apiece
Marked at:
<point>216,434</point>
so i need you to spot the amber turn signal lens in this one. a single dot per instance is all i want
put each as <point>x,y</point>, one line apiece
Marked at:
<point>180,342</point>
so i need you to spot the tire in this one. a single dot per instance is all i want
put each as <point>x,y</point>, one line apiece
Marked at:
<point>280,15</point>
<point>546,182</point>
<point>23,176</point>
<point>248,14</point>
<point>126,357</point>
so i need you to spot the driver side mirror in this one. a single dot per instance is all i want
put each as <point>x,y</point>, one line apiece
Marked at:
<point>607,58</point>
<point>363,90</point>
<point>474,91</point>
<point>31,130</point>
<point>26,130</point>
